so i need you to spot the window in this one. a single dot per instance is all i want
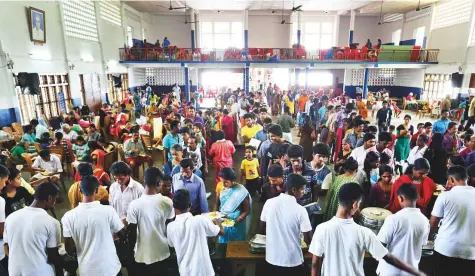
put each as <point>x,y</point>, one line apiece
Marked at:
<point>49,102</point>
<point>314,35</point>
<point>221,35</point>
<point>418,35</point>
<point>130,42</point>
<point>437,86</point>
<point>396,37</point>
<point>80,19</point>
<point>111,12</point>
<point>448,13</point>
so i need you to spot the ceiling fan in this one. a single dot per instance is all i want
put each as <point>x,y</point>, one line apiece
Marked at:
<point>283,20</point>
<point>381,14</point>
<point>418,6</point>
<point>171,8</point>
<point>188,22</point>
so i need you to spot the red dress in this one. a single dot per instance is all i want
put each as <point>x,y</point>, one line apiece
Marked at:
<point>227,125</point>
<point>339,140</point>
<point>425,190</point>
<point>222,152</point>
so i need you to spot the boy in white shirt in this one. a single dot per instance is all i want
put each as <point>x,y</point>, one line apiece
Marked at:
<point>147,216</point>
<point>282,220</point>
<point>188,235</point>
<point>339,245</point>
<point>454,245</point>
<point>405,232</point>
<point>32,236</point>
<point>88,229</point>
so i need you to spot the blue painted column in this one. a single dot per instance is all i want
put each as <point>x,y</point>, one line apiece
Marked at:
<point>365,83</point>
<point>352,27</point>
<point>306,77</point>
<point>246,79</point>
<point>187,84</point>
<point>246,29</point>
<point>192,31</point>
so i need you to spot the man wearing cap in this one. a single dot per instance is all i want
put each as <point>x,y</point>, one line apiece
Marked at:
<point>188,235</point>
<point>282,220</point>
<point>275,186</point>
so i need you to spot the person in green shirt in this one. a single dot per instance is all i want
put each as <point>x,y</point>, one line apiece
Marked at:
<point>287,123</point>
<point>18,150</point>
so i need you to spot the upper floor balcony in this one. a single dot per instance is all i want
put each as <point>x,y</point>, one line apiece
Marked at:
<point>386,54</point>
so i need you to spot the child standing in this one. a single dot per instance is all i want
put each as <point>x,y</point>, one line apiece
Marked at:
<point>250,170</point>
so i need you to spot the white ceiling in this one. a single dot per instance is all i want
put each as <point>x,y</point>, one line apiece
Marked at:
<point>364,6</point>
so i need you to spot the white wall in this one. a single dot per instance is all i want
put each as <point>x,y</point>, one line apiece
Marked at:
<point>385,31</point>
<point>365,27</point>
<point>264,32</point>
<point>170,26</point>
<point>452,42</point>
<point>410,26</point>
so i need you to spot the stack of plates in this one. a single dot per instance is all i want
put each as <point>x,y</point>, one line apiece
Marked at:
<point>257,244</point>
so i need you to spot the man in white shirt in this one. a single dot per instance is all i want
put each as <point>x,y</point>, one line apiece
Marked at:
<point>39,128</point>
<point>455,246</point>
<point>87,231</point>
<point>243,103</point>
<point>419,150</point>
<point>282,220</point>
<point>359,153</point>
<point>48,162</point>
<point>177,92</point>
<point>339,245</point>
<point>124,190</point>
<point>405,232</point>
<point>4,173</point>
<point>188,235</point>
<point>68,133</point>
<point>32,237</point>
<point>147,216</point>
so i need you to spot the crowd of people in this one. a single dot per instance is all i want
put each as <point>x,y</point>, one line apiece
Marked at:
<point>310,189</point>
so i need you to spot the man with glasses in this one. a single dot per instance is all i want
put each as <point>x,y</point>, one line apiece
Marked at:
<point>359,154</point>
<point>312,187</point>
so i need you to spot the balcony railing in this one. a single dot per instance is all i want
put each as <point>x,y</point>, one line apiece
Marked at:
<point>277,54</point>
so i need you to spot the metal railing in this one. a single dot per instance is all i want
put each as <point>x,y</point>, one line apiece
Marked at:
<point>277,54</point>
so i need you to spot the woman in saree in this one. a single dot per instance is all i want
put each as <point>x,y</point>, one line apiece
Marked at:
<point>362,110</point>
<point>331,201</point>
<point>222,153</point>
<point>235,202</point>
<point>403,144</point>
<point>227,124</point>
<point>451,142</point>
<point>97,153</point>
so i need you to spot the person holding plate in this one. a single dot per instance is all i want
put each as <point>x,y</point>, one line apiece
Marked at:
<point>135,153</point>
<point>234,201</point>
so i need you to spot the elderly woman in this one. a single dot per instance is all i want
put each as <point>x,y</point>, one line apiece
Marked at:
<point>234,201</point>
<point>222,153</point>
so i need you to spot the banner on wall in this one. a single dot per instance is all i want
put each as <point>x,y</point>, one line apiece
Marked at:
<point>61,102</point>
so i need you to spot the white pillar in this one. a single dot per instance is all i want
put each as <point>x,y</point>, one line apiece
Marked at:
<point>197,30</point>
<point>192,31</point>
<point>352,27</point>
<point>103,76</point>
<point>299,27</point>
<point>246,28</point>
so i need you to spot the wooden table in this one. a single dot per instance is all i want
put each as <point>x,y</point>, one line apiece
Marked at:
<point>243,260</point>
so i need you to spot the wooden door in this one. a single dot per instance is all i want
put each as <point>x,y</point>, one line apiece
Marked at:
<point>92,91</point>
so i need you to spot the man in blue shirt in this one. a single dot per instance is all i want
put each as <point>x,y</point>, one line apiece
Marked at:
<point>194,184</point>
<point>171,139</point>
<point>323,110</point>
<point>261,135</point>
<point>166,42</point>
<point>440,126</point>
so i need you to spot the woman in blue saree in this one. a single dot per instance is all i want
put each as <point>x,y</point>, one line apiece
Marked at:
<point>233,201</point>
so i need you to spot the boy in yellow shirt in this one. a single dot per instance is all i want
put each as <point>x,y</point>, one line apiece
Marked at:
<point>250,170</point>
<point>250,129</point>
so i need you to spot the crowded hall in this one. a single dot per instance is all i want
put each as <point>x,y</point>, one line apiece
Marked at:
<point>237,138</point>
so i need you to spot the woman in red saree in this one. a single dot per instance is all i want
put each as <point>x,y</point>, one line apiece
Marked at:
<point>340,134</point>
<point>222,153</point>
<point>417,175</point>
<point>97,153</point>
<point>227,124</point>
